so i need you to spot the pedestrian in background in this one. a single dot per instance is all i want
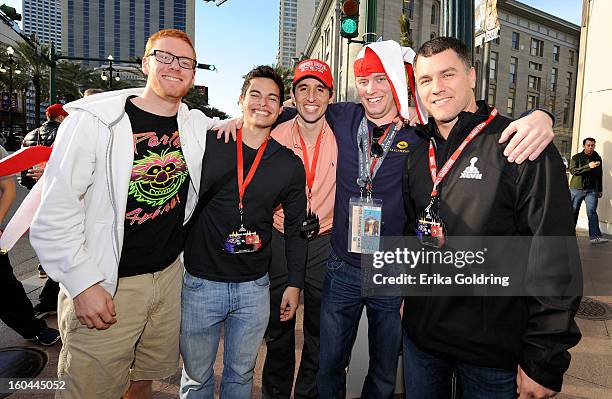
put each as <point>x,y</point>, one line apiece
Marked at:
<point>586,185</point>
<point>16,310</point>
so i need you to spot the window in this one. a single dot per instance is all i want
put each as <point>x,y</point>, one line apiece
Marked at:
<point>515,40</point>
<point>556,51</point>
<point>533,82</point>
<point>537,47</point>
<point>491,94</point>
<point>566,113</point>
<point>496,41</point>
<point>534,66</point>
<point>553,79</point>
<point>513,66</point>
<point>569,83</point>
<point>533,101</point>
<point>493,66</point>
<point>510,106</point>
<point>572,54</point>
<point>434,14</point>
<point>408,8</point>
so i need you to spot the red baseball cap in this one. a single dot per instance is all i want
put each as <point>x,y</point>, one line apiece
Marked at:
<point>316,69</point>
<point>55,110</point>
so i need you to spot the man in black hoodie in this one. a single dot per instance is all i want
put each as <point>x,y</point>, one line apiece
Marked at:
<point>43,135</point>
<point>495,345</point>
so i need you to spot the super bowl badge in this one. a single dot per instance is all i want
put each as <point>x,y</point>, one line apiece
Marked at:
<point>242,241</point>
<point>365,221</point>
<point>430,228</point>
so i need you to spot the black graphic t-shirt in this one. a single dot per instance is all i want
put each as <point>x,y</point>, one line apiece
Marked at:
<point>154,235</point>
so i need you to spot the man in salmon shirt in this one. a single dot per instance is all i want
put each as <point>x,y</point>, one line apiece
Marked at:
<point>309,136</point>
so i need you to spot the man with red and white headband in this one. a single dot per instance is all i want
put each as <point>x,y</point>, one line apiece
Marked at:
<point>309,136</point>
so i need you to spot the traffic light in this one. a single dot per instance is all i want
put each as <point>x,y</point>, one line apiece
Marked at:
<point>208,67</point>
<point>349,19</point>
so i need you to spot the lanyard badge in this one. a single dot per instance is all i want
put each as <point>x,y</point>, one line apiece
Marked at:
<point>309,228</point>
<point>430,228</point>
<point>365,212</point>
<point>244,240</point>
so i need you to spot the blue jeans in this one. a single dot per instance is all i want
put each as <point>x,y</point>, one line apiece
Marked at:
<point>243,309</point>
<point>591,198</point>
<point>341,307</point>
<point>427,376</point>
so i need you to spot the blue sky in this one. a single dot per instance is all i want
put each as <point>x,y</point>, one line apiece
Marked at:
<point>243,33</point>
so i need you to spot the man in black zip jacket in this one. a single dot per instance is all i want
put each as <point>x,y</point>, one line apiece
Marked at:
<point>497,346</point>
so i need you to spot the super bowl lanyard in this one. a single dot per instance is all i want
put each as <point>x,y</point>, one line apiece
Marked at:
<point>367,167</point>
<point>243,183</point>
<point>310,169</point>
<point>433,169</point>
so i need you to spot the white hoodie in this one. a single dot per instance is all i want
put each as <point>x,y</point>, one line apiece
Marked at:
<point>77,232</point>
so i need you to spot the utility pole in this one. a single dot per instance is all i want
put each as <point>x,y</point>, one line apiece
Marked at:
<point>458,21</point>
<point>370,26</point>
<point>52,62</point>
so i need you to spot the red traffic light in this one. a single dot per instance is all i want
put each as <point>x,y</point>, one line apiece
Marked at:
<point>350,7</point>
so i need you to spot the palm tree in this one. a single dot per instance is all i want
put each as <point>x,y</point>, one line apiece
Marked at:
<point>405,39</point>
<point>37,69</point>
<point>287,75</point>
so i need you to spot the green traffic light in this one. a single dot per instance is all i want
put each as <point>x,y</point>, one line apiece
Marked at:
<point>349,26</point>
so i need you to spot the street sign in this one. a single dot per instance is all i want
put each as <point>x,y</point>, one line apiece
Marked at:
<point>5,100</point>
<point>486,23</point>
<point>14,101</point>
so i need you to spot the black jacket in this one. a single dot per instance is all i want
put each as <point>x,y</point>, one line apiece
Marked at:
<point>500,199</point>
<point>583,177</point>
<point>44,135</point>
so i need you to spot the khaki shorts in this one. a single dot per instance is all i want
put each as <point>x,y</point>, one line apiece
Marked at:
<point>142,345</point>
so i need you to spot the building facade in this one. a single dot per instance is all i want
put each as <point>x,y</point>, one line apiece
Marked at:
<point>43,19</point>
<point>593,117</point>
<point>294,28</point>
<point>533,63</point>
<point>99,28</point>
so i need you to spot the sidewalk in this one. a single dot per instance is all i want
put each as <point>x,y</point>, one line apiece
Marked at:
<point>589,375</point>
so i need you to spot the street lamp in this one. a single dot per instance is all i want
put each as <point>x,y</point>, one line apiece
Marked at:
<point>108,73</point>
<point>10,65</point>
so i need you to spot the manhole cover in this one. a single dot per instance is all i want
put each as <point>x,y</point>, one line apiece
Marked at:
<point>591,309</point>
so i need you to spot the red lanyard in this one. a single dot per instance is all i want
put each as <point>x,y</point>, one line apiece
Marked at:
<point>380,140</point>
<point>307,167</point>
<point>242,184</point>
<point>433,168</point>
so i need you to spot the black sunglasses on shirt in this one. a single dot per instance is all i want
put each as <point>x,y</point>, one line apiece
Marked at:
<point>376,150</point>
